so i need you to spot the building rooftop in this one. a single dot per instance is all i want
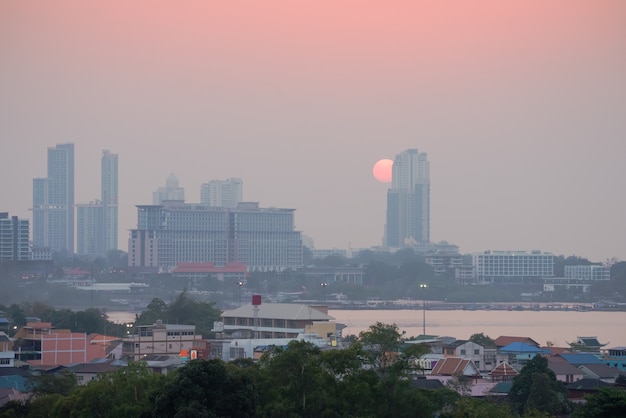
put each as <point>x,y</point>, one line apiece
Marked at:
<point>288,311</point>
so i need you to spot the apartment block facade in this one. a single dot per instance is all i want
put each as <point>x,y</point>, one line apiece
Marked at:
<point>263,239</point>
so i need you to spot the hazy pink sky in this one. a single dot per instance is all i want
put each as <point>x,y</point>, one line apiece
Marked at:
<point>520,105</point>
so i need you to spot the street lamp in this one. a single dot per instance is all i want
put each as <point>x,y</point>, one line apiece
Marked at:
<point>240,283</point>
<point>324,284</point>
<point>423,286</point>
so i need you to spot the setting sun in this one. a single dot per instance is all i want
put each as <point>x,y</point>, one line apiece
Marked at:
<point>382,170</point>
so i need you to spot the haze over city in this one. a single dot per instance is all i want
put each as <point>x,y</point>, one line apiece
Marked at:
<point>520,107</point>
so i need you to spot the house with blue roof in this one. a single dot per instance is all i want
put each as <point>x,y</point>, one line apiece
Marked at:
<point>615,357</point>
<point>579,359</point>
<point>520,353</point>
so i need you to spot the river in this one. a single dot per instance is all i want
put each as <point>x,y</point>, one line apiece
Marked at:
<point>559,327</point>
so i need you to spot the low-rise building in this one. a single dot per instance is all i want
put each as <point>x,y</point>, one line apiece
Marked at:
<point>159,338</point>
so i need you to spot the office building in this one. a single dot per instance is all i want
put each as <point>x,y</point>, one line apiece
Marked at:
<point>408,201</point>
<point>53,202</point>
<point>263,239</point>
<point>512,266</point>
<point>223,193</point>
<point>171,191</point>
<point>14,236</point>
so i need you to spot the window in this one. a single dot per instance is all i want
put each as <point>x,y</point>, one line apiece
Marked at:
<point>5,361</point>
<point>476,352</point>
<point>462,352</point>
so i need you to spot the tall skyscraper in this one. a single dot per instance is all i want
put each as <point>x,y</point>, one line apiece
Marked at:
<point>408,201</point>
<point>171,191</point>
<point>53,202</point>
<point>222,193</point>
<point>97,220</point>
<point>109,199</point>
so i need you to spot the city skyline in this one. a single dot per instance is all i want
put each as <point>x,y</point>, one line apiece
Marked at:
<point>519,105</point>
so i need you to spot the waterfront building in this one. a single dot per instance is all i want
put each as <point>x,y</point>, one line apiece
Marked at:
<point>588,272</point>
<point>171,191</point>
<point>14,238</point>
<point>222,193</point>
<point>246,331</point>
<point>263,239</point>
<point>53,202</point>
<point>512,266</point>
<point>408,201</point>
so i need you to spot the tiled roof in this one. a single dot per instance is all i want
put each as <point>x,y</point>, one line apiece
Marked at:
<point>587,384</point>
<point>452,365</point>
<point>503,369</point>
<point>602,371</point>
<point>562,368</point>
<point>506,340</point>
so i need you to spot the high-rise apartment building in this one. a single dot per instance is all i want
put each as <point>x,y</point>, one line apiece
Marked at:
<point>263,239</point>
<point>171,191</point>
<point>97,221</point>
<point>408,201</point>
<point>14,236</point>
<point>109,199</point>
<point>222,193</point>
<point>53,202</point>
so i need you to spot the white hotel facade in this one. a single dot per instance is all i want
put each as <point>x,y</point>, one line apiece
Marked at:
<point>512,266</point>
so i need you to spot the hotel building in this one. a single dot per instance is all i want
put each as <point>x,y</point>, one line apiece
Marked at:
<point>512,266</point>
<point>263,239</point>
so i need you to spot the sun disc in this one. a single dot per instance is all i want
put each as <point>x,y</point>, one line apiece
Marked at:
<point>382,170</point>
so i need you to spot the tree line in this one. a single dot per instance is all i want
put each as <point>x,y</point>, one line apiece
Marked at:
<point>372,377</point>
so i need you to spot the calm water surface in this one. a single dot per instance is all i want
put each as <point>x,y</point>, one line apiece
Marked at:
<point>558,327</point>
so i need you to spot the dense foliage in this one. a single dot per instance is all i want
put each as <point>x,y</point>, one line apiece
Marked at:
<point>373,377</point>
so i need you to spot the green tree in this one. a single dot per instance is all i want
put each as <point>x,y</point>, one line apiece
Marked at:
<point>604,403</point>
<point>526,384</point>
<point>207,388</point>
<point>61,383</point>
<point>127,392</point>
<point>482,340</point>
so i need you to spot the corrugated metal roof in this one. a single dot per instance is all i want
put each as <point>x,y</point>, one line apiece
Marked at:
<point>288,311</point>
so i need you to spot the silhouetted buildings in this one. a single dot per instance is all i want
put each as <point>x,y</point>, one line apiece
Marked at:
<point>53,202</point>
<point>171,191</point>
<point>223,193</point>
<point>97,221</point>
<point>408,201</point>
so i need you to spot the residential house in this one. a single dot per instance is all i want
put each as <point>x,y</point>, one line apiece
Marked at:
<point>453,366</point>
<point>86,372</point>
<point>484,358</point>
<point>504,340</point>
<point>564,371</point>
<point>520,353</point>
<point>503,372</point>
<point>615,357</point>
<point>576,391</point>
<point>600,371</point>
